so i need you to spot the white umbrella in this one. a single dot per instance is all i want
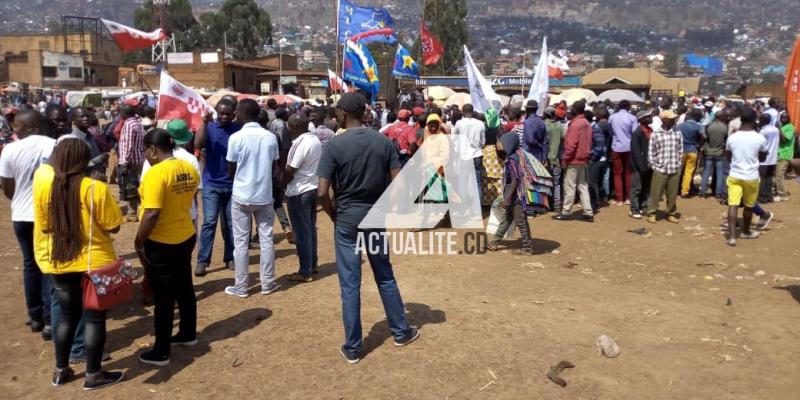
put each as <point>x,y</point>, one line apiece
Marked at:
<point>617,95</point>
<point>575,94</point>
<point>458,99</point>
<point>439,92</point>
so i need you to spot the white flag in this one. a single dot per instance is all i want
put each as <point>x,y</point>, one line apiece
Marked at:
<point>178,101</point>
<point>481,92</point>
<point>541,80</point>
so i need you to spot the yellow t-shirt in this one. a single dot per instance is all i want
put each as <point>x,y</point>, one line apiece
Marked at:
<point>107,216</point>
<point>170,186</point>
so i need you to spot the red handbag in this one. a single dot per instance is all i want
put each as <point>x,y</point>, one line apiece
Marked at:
<point>110,285</point>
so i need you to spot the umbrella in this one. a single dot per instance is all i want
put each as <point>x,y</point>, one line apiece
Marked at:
<point>439,92</point>
<point>294,99</point>
<point>517,101</point>
<point>504,100</point>
<point>617,95</point>
<point>247,96</point>
<point>573,95</point>
<point>458,99</point>
<point>11,89</point>
<point>216,97</point>
<point>281,99</point>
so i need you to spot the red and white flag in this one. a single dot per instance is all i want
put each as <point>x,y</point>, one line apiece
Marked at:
<point>337,83</point>
<point>178,101</point>
<point>432,50</point>
<point>131,39</point>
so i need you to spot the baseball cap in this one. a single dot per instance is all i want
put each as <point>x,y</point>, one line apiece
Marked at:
<point>179,131</point>
<point>352,102</point>
<point>709,103</point>
<point>644,113</point>
<point>404,115</point>
<point>418,111</point>
<point>668,114</point>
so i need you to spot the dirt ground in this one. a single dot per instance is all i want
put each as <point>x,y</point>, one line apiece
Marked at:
<point>694,319</point>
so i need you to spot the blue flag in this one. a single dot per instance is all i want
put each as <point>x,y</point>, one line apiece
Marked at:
<point>404,65</point>
<point>360,68</point>
<point>369,23</point>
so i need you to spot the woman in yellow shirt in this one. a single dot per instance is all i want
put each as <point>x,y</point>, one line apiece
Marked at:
<point>165,241</point>
<point>62,197</point>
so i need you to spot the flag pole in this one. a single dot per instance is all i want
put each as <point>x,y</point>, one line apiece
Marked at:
<point>336,56</point>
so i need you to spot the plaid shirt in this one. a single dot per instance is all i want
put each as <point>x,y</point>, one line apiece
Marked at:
<point>666,151</point>
<point>131,143</point>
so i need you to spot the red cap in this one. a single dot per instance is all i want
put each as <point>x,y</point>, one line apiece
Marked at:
<point>132,102</point>
<point>418,111</point>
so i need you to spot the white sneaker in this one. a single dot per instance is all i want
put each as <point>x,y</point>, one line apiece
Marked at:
<point>751,235</point>
<point>268,289</point>
<point>233,291</point>
<point>764,222</point>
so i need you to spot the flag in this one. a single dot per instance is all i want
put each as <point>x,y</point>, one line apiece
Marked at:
<point>481,92</point>
<point>792,85</point>
<point>404,65</point>
<point>336,84</point>
<point>557,66</point>
<point>356,20</point>
<point>432,49</point>
<point>360,68</point>
<point>541,82</point>
<point>129,39</point>
<point>177,101</point>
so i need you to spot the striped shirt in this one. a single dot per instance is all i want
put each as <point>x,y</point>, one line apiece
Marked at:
<point>666,151</point>
<point>131,142</point>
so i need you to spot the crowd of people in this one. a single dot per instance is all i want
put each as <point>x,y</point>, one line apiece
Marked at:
<point>249,163</point>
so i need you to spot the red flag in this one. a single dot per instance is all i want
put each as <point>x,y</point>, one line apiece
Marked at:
<point>432,49</point>
<point>336,84</point>
<point>792,85</point>
<point>129,39</point>
<point>177,101</point>
<point>555,73</point>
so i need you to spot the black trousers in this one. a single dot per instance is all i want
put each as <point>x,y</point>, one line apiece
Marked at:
<point>70,296</point>
<point>170,276</point>
<point>767,175</point>
<point>595,178</point>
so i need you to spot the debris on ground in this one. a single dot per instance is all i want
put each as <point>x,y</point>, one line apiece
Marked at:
<point>785,278</point>
<point>607,346</point>
<point>759,273</point>
<point>555,371</point>
<point>639,231</point>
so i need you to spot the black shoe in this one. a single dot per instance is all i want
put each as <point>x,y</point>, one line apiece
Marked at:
<point>351,358</point>
<point>149,357</point>
<point>562,217</point>
<point>47,333</point>
<point>587,218</point>
<point>37,325</point>
<point>180,340</point>
<point>62,376</point>
<point>200,270</point>
<point>229,265</point>
<point>412,336</point>
<point>102,379</point>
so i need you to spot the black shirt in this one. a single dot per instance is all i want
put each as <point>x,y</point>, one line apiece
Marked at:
<point>357,162</point>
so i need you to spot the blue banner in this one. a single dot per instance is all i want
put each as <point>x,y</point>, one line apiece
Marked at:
<point>355,19</point>
<point>404,65</point>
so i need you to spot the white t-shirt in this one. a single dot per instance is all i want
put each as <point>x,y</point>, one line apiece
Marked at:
<point>253,149</point>
<point>19,161</point>
<point>304,157</point>
<point>773,137</point>
<point>181,154</point>
<point>744,147</point>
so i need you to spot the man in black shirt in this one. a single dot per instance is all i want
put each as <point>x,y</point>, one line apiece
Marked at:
<point>360,164</point>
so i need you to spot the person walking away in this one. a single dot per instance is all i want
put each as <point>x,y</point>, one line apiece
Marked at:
<point>514,205</point>
<point>18,161</point>
<point>744,150</point>
<point>642,174</point>
<point>280,129</point>
<point>403,135</point>
<point>130,159</point>
<point>766,170</point>
<point>665,153</point>
<point>72,228</point>
<point>555,142</point>
<point>715,136</point>
<point>252,157</point>
<point>786,150</point>
<point>597,159</point>
<point>301,194</point>
<point>164,243</point>
<point>692,132</point>
<point>474,132</point>
<point>577,150</point>
<point>360,164</point>
<point>623,123</point>
<point>213,137</point>
<point>772,111</point>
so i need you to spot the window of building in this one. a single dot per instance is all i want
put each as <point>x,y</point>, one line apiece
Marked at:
<point>49,72</point>
<point>76,72</point>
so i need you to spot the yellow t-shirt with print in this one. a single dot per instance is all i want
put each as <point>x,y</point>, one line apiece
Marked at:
<point>107,216</point>
<point>170,186</point>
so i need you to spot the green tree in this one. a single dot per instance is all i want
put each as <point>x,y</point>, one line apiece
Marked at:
<point>446,20</point>
<point>611,58</point>
<point>177,17</point>
<point>671,62</point>
<point>245,26</point>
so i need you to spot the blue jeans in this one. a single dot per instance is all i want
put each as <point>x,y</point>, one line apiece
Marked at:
<point>303,213</point>
<point>35,285</point>
<point>216,203</point>
<point>78,350</point>
<point>348,265</point>
<point>720,165</point>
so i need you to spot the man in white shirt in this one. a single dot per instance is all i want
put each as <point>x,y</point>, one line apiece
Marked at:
<point>744,149</point>
<point>252,158</point>
<point>18,162</point>
<point>301,194</point>
<point>474,132</point>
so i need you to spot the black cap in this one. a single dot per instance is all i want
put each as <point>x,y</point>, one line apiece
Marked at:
<point>531,105</point>
<point>352,102</point>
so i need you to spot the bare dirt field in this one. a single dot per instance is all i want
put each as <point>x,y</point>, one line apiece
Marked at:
<point>694,319</point>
